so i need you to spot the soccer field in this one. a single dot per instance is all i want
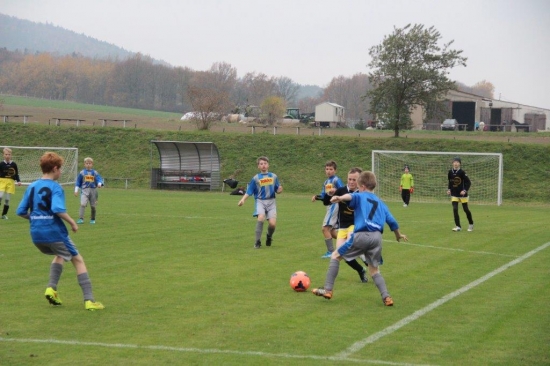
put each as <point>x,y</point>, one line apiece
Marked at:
<point>182,284</point>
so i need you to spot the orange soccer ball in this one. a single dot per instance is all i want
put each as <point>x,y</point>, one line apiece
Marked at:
<point>299,281</point>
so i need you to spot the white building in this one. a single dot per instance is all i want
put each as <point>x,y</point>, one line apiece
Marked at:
<point>329,115</point>
<point>470,109</point>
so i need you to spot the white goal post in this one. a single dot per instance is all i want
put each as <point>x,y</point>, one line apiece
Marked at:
<point>28,162</point>
<point>429,170</point>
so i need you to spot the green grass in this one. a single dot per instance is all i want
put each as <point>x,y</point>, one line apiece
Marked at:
<point>68,105</point>
<point>297,160</point>
<point>182,284</point>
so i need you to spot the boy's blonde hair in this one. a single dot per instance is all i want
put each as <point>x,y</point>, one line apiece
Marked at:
<point>88,159</point>
<point>367,179</point>
<point>7,150</point>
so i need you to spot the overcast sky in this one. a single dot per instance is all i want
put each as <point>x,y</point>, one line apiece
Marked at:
<point>507,42</point>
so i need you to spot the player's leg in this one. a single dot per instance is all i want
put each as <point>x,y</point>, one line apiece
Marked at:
<point>455,214</point>
<point>329,221</point>
<point>83,203</point>
<point>85,284</point>
<point>93,203</point>
<point>56,269</point>
<point>6,206</point>
<point>468,215</point>
<point>353,263</point>
<point>374,257</point>
<point>271,213</point>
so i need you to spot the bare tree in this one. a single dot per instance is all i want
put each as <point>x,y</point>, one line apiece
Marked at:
<point>287,89</point>
<point>258,87</point>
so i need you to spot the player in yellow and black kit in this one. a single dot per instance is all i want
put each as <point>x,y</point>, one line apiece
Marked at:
<point>459,184</point>
<point>9,174</point>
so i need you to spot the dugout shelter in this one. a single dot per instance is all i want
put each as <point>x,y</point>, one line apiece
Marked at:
<point>186,165</point>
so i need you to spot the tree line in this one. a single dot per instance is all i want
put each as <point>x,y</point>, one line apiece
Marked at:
<point>138,82</point>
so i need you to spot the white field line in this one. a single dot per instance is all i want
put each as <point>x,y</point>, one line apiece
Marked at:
<point>417,314</point>
<point>450,249</point>
<point>207,351</point>
<point>342,356</point>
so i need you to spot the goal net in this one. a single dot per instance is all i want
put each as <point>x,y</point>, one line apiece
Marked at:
<point>28,162</point>
<point>429,170</point>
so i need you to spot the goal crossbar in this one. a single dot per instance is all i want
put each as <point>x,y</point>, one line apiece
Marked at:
<point>430,169</point>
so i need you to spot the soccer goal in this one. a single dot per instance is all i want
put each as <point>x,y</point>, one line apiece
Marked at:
<point>28,162</point>
<point>429,170</point>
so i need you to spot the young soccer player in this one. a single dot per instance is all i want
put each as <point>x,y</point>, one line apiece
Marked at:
<point>87,181</point>
<point>406,186</point>
<point>9,174</point>
<point>345,220</point>
<point>329,228</point>
<point>264,186</point>
<point>458,187</point>
<point>371,213</point>
<point>43,204</point>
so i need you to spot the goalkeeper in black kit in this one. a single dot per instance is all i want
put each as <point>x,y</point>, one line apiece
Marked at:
<point>459,185</point>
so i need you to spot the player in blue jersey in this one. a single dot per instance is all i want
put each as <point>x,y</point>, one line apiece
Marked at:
<point>264,186</point>
<point>9,174</point>
<point>329,227</point>
<point>43,204</point>
<point>345,220</point>
<point>457,188</point>
<point>370,216</point>
<point>88,181</point>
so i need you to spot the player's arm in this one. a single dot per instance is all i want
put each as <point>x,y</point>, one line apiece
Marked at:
<point>77,184</point>
<point>100,181</point>
<point>399,236</point>
<point>65,217</point>
<point>346,197</point>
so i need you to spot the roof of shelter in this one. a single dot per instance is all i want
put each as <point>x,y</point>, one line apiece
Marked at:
<point>188,156</point>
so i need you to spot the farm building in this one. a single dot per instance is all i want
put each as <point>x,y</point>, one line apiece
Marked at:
<point>470,109</point>
<point>329,115</point>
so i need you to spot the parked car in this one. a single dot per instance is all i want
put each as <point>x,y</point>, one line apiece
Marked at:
<point>449,125</point>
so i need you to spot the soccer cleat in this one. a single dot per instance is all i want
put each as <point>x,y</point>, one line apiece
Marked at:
<point>93,305</point>
<point>327,294</point>
<point>268,241</point>
<point>405,205</point>
<point>327,254</point>
<point>258,244</point>
<point>79,221</point>
<point>363,276</point>
<point>92,221</point>
<point>51,296</point>
<point>388,301</point>
<point>457,228</point>
<point>4,217</point>
<point>471,227</point>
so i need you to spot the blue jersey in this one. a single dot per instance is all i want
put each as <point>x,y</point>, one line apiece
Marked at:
<point>331,182</point>
<point>88,179</point>
<point>42,200</point>
<point>371,213</point>
<point>263,186</point>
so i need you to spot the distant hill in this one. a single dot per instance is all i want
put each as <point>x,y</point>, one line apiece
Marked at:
<point>309,91</point>
<point>30,37</point>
